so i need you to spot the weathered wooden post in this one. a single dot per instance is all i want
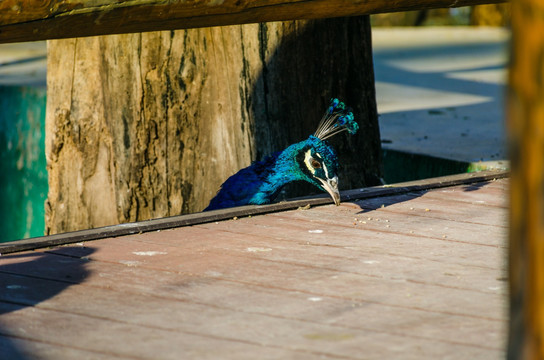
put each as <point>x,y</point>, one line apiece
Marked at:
<point>148,125</point>
<point>526,130</point>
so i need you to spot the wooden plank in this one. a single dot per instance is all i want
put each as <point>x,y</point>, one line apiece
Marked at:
<point>18,348</point>
<point>218,215</point>
<point>131,341</point>
<point>28,20</point>
<point>436,208</point>
<point>270,342</point>
<point>380,223</point>
<point>352,249</point>
<point>180,258</point>
<point>278,312</point>
<point>525,121</point>
<point>212,286</point>
<point>119,283</point>
<point>21,349</point>
<point>267,285</point>
<point>460,196</point>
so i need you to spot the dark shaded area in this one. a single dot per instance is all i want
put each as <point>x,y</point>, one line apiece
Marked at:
<point>372,204</point>
<point>475,186</point>
<point>320,60</point>
<point>401,166</point>
<point>41,276</point>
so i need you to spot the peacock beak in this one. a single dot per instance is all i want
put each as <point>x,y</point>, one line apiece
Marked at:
<point>331,186</point>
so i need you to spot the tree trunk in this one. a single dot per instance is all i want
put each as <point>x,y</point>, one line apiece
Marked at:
<point>149,125</point>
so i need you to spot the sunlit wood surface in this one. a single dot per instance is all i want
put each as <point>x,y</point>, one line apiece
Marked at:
<point>410,276</point>
<point>30,20</point>
<point>526,133</point>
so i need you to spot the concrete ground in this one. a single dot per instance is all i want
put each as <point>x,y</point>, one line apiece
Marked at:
<point>23,64</point>
<point>440,91</point>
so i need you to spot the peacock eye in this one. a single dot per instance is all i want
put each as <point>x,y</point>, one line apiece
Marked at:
<point>315,164</point>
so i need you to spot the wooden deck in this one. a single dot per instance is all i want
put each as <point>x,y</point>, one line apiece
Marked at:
<point>419,275</point>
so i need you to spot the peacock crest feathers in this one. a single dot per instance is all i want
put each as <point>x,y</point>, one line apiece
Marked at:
<point>336,119</point>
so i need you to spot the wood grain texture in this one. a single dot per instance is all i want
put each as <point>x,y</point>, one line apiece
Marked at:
<point>273,287</point>
<point>143,126</point>
<point>28,20</point>
<point>526,133</point>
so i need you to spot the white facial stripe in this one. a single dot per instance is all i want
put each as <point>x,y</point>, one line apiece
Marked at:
<point>324,166</point>
<point>326,171</point>
<point>307,157</point>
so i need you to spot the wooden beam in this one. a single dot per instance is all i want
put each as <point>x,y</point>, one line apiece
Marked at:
<point>31,20</point>
<point>243,211</point>
<point>526,131</point>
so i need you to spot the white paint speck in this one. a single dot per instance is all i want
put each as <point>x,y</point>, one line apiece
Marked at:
<point>370,262</point>
<point>258,249</point>
<point>317,231</point>
<point>213,273</point>
<point>129,263</point>
<point>494,288</point>
<point>149,253</point>
<point>315,299</point>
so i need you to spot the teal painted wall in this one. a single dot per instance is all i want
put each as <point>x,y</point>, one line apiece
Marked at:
<point>23,173</point>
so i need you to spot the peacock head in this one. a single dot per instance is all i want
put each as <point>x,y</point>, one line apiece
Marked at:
<point>319,165</point>
<point>317,158</point>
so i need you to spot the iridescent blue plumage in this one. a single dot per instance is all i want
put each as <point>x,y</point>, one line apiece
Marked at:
<point>312,160</point>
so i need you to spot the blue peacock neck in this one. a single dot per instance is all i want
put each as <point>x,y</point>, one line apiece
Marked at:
<point>285,170</point>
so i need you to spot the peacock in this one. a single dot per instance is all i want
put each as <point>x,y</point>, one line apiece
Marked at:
<point>312,160</point>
